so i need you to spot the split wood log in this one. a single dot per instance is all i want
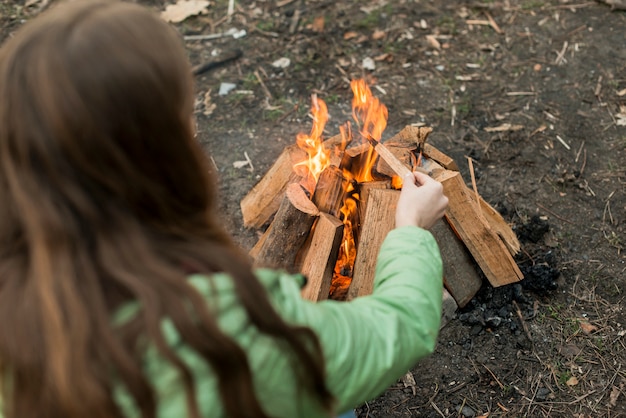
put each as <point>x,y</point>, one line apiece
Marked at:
<point>398,167</point>
<point>441,158</point>
<point>285,236</point>
<point>410,137</point>
<point>379,220</point>
<point>401,154</point>
<point>329,191</point>
<point>459,268</point>
<point>258,206</point>
<point>320,256</point>
<point>364,192</point>
<point>499,224</point>
<point>484,244</point>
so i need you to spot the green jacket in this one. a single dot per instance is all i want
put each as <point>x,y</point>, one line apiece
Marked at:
<point>368,343</point>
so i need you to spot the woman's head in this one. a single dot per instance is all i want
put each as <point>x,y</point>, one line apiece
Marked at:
<point>97,96</point>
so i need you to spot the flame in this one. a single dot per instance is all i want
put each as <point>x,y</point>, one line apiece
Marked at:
<point>347,252</point>
<point>371,116</point>
<point>318,155</point>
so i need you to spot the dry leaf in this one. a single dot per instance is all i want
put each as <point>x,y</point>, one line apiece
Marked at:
<point>183,9</point>
<point>586,327</point>
<point>318,24</point>
<point>504,127</point>
<point>350,35</point>
<point>572,381</point>
<point>615,392</point>
<point>621,93</point>
<point>433,42</point>
<point>240,164</point>
<point>384,57</point>
<point>409,382</point>
<point>378,34</point>
<point>209,107</point>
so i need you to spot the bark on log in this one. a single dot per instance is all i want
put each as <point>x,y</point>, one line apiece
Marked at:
<point>320,256</point>
<point>379,220</point>
<point>258,206</point>
<point>288,231</point>
<point>329,192</point>
<point>484,244</point>
<point>460,274</point>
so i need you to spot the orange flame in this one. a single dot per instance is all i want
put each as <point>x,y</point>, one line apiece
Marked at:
<point>318,155</point>
<point>371,116</point>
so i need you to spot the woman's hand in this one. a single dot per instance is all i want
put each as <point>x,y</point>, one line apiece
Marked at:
<point>421,203</point>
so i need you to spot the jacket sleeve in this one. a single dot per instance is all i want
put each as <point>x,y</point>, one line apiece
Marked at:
<point>372,341</point>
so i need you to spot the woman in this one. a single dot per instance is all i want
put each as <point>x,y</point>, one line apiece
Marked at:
<point>121,296</point>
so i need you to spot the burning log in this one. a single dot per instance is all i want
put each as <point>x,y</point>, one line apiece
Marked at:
<point>484,244</point>
<point>379,220</point>
<point>263,200</point>
<point>459,270</point>
<point>320,255</point>
<point>328,196</point>
<point>284,238</point>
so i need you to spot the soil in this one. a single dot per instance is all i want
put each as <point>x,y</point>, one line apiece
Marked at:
<point>555,71</point>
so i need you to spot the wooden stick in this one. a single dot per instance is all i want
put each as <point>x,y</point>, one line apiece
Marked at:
<point>484,244</point>
<point>320,256</point>
<point>258,206</point>
<point>328,196</point>
<point>396,165</point>
<point>460,275</point>
<point>288,231</point>
<point>379,220</point>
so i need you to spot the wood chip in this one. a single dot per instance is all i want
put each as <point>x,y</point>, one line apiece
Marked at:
<point>433,42</point>
<point>409,382</point>
<point>504,128</point>
<point>183,9</point>
<point>378,34</point>
<point>621,93</point>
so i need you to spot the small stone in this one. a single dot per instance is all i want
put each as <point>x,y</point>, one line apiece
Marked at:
<point>226,88</point>
<point>542,394</point>
<point>368,64</point>
<point>467,412</point>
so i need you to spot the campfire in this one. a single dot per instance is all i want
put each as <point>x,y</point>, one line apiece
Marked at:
<point>328,205</point>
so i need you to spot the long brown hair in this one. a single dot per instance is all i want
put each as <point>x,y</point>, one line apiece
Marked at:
<point>106,198</point>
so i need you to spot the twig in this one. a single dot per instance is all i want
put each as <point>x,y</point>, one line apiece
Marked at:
<point>245,153</point>
<point>494,376</point>
<point>579,151</point>
<point>521,93</point>
<point>296,17</point>
<point>598,88</point>
<point>265,89</point>
<point>471,169</point>
<point>231,9</point>
<point>560,56</point>
<point>562,141</point>
<point>554,214</point>
<point>493,23</point>
<point>582,168</point>
<point>524,325</point>
<point>436,408</point>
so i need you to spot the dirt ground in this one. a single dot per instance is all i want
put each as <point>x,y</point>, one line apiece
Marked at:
<point>554,71</point>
